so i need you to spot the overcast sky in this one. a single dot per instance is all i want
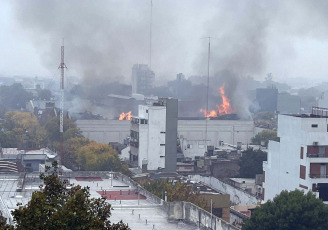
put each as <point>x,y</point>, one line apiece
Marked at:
<point>103,39</point>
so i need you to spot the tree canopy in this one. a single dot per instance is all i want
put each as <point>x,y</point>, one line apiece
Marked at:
<point>14,96</point>
<point>97,156</point>
<point>251,163</point>
<point>70,129</point>
<point>265,136</point>
<point>21,129</point>
<point>59,205</point>
<point>290,211</point>
<point>175,191</point>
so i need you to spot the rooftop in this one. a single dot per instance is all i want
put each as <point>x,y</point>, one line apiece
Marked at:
<point>142,213</point>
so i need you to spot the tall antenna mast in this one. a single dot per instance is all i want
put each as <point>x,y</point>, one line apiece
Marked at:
<point>62,67</point>
<point>207,88</point>
<point>150,31</point>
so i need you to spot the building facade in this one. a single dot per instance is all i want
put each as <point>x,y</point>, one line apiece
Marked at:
<point>300,159</point>
<point>190,132</point>
<point>153,137</point>
<point>142,79</point>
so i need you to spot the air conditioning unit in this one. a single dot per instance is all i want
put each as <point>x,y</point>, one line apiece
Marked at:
<point>315,143</point>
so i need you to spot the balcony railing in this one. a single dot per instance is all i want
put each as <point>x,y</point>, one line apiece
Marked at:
<point>316,155</point>
<point>318,176</point>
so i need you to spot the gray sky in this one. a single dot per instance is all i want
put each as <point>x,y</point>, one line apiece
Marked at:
<point>104,39</point>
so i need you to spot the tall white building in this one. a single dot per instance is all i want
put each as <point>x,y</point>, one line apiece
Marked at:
<point>300,159</point>
<point>153,138</point>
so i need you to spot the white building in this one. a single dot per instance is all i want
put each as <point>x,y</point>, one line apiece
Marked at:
<point>300,159</point>
<point>190,132</point>
<point>153,138</point>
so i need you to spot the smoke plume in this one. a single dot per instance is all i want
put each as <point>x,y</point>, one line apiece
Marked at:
<point>104,39</point>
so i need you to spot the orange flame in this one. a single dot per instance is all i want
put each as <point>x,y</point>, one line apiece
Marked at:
<point>224,108</point>
<point>125,116</point>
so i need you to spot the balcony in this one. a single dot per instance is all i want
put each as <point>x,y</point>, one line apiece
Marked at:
<point>317,158</point>
<point>318,176</point>
<point>317,154</point>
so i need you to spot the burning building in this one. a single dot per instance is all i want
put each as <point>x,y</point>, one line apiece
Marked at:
<point>221,109</point>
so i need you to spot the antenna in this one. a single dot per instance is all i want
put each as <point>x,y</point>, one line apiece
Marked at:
<point>207,88</point>
<point>62,66</point>
<point>150,31</point>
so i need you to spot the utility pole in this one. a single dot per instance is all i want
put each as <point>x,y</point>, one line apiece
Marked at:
<point>62,67</point>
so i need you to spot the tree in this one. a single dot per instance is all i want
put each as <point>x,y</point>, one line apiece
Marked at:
<point>102,157</point>
<point>71,147</point>
<point>251,162</point>
<point>290,211</point>
<point>175,191</point>
<point>265,136</point>
<point>3,223</point>
<point>57,207</point>
<point>21,129</point>
<point>70,129</point>
<point>14,97</point>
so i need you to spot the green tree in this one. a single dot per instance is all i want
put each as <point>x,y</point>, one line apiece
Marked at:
<point>175,191</point>
<point>14,97</point>
<point>251,162</point>
<point>102,157</point>
<point>57,207</point>
<point>265,136</point>
<point>21,129</point>
<point>290,211</point>
<point>52,128</point>
<point>71,147</point>
<point>3,223</point>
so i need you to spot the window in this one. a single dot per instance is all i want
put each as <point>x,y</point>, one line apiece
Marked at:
<point>162,132</point>
<point>314,125</point>
<point>302,152</point>
<point>302,172</point>
<point>162,144</point>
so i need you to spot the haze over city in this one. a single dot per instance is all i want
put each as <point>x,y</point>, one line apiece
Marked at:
<point>104,39</point>
<point>164,114</point>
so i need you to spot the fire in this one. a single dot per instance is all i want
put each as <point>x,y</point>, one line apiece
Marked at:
<point>125,116</point>
<point>224,108</point>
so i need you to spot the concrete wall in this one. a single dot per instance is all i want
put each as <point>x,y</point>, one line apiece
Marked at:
<point>104,131</point>
<point>229,131</point>
<point>185,211</point>
<point>191,213</point>
<point>237,218</point>
<point>156,139</point>
<point>237,195</point>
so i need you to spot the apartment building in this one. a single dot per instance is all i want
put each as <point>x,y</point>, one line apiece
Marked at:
<point>153,137</point>
<point>300,159</point>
